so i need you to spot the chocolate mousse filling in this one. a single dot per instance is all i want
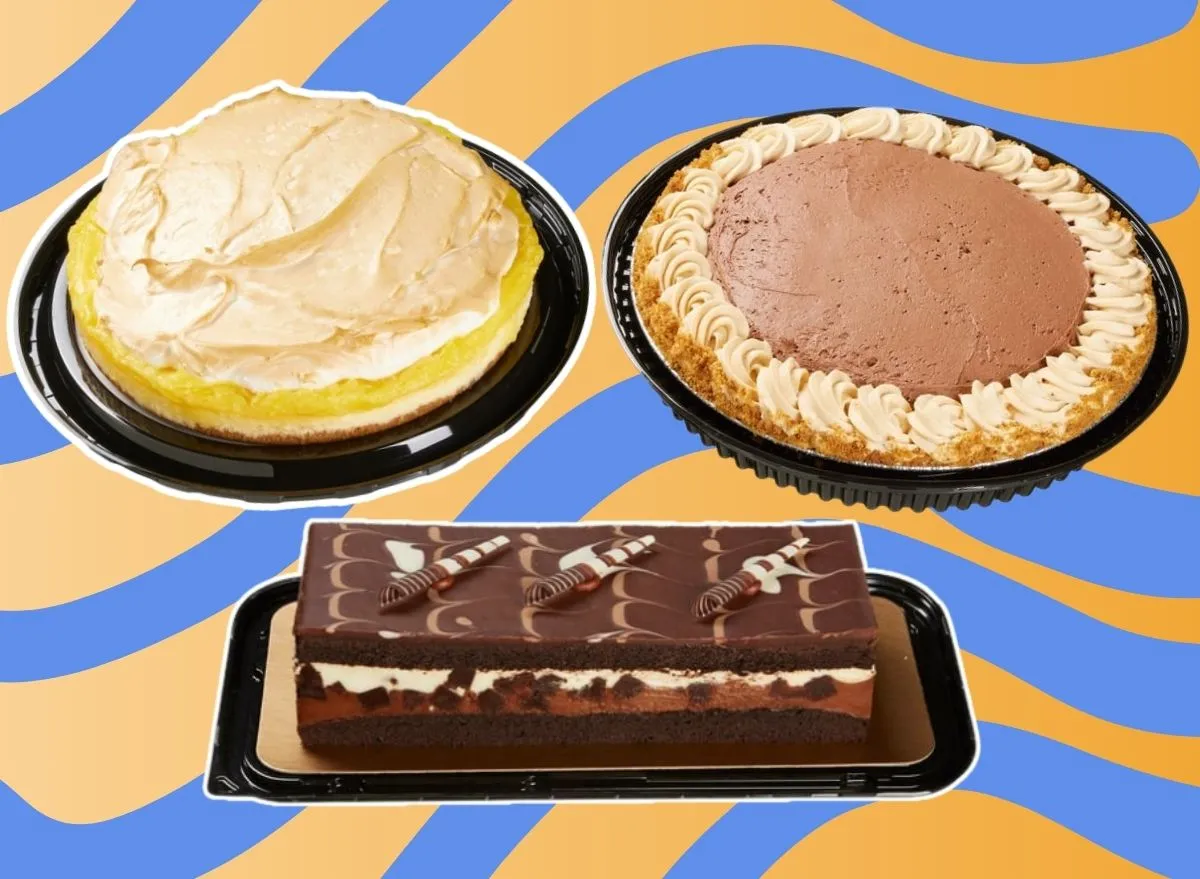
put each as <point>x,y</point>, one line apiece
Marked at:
<point>899,267</point>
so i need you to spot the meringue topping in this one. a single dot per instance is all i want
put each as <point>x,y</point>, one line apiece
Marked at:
<point>291,241</point>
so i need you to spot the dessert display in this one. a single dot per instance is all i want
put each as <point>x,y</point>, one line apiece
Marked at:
<point>467,635</point>
<point>891,288</point>
<point>295,267</point>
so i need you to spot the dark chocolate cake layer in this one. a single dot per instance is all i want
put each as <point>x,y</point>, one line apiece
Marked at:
<point>683,727</point>
<point>814,614</point>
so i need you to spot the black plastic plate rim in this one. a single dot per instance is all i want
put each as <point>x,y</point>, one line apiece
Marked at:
<point>235,771</point>
<point>121,434</point>
<point>875,485</point>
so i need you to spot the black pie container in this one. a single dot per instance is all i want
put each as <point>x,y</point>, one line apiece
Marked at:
<point>236,769</point>
<point>870,484</point>
<point>84,405</point>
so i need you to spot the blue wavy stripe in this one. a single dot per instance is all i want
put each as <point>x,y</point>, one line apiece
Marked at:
<point>544,482</point>
<point>366,61</point>
<point>750,837</point>
<point>1142,818</point>
<point>182,834</point>
<point>1068,31</point>
<point>26,433</point>
<point>465,842</point>
<point>148,54</point>
<point>1131,679</point>
<point>665,102</point>
<point>153,606</point>
<point>1149,549</point>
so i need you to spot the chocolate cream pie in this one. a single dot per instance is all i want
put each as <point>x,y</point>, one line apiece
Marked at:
<point>891,288</point>
<point>296,267</point>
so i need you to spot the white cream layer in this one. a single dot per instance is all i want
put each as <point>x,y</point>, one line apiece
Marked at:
<point>361,678</point>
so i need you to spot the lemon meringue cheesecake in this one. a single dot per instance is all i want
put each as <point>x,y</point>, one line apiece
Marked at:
<point>294,267</point>
<point>895,289</point>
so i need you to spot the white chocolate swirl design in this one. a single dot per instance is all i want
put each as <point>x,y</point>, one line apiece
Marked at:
<point>789,395</point>
<point>587,574</point>
<point>754,575</point>
<point>439,575</point>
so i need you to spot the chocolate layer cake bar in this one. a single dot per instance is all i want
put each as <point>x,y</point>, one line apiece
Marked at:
<point>418,634</point>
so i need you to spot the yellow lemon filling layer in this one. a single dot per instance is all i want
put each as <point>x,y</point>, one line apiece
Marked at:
<point>190,392</point>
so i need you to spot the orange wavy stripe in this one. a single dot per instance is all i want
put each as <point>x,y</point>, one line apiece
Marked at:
<point>72,528</point>
<point>628,839</point>
<point>147,717</point>
<point>938,837</point>
<point>1006,699</point>
<point>346,843</point>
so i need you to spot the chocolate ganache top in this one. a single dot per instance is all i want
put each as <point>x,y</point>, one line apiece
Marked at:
<point>821,591</point>
<point>896,266</point>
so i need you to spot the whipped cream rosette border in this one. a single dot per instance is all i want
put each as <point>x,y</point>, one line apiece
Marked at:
<point>1114,331</point>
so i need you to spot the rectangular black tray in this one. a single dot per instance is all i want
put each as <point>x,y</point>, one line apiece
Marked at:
<point>235,769</point>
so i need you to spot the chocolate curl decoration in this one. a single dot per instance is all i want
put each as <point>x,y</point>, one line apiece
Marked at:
<point>439,575</point>
<point>585,576</point>
<point>746,583</point>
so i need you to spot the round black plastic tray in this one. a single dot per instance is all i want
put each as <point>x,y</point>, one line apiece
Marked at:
<point>235,770</point>
<point>874,485</point>
<point>86,406</point>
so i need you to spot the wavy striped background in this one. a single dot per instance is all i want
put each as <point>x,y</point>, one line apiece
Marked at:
<point>1076,608</point>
